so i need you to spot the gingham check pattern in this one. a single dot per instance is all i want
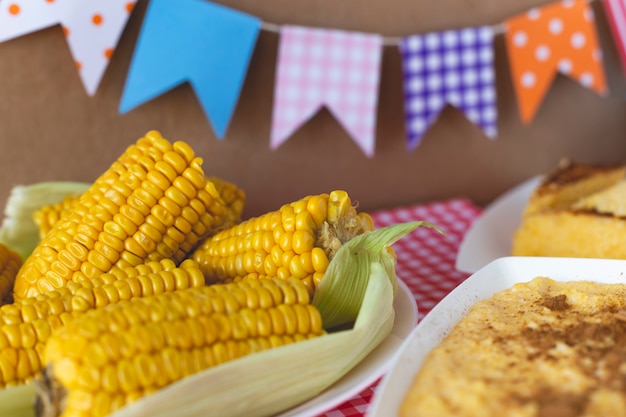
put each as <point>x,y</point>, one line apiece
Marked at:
<point>335,68</point>
<point>455,67</point>
<point>426,262</point>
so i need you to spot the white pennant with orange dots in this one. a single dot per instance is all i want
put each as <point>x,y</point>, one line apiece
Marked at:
<point>92,29</point>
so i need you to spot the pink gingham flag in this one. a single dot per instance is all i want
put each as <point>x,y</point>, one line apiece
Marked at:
<point>616,13</point>
<point>318,67</point>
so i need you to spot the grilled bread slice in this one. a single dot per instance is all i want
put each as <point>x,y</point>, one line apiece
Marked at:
<point>579,210</point>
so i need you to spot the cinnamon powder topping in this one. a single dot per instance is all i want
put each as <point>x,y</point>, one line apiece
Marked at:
<point>541,348</point>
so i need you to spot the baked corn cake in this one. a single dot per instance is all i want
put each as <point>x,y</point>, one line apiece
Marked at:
<point>540,348</point>
<point>577,211</point>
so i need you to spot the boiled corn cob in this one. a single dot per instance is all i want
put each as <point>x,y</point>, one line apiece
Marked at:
<point>154,202</point>
<point>233,196</point>
<point>298,240</point>
<point>10,262</point>
<point>47,216</point>
<point>26,325</point>
<point>114,356</point>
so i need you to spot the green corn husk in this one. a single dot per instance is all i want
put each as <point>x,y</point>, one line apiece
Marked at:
<point>269,382</point>
<point>17,401</point>
<point>361,280</point>
<point>345,275</point>
<point>18,230</point>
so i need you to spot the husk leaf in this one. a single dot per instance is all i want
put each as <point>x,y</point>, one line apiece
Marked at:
<point>18,230</point>
<point>348,272</point>
<point>267,383</point>
<point>18,401</point>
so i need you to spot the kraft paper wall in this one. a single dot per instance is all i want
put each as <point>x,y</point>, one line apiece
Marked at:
<point>52,130</point>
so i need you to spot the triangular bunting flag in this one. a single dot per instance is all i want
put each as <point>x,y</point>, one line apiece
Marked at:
<point>335,68</point>
<point>455,67</point>
<point>616,13</point>
<point>559,37</point>
<point>92,29</point>
<point>18,18</point>
<point>197,41</point>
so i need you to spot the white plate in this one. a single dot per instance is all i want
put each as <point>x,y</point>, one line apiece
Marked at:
<point>491,235</point>
<point>496,276</point>
<point>372,367</point>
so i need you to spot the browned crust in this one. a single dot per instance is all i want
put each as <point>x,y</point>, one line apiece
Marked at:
<point>570,172</point>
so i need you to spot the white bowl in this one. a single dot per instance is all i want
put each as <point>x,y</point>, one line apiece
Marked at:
<point>496,276</point>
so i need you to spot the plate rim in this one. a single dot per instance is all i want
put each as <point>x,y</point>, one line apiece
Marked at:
<point>314,407</point>
<point>481,233</point>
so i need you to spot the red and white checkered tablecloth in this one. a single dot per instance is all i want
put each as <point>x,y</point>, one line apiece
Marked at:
<point>426,263</point>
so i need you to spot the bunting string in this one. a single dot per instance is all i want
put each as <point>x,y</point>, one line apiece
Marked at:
<point>386,40</point>
<point>210,46</point>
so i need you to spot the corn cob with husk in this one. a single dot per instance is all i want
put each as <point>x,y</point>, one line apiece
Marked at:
<point>10,262</point>
<point>260,384</point>
<point>153,203</point>
<point>111,357</point>
<point>26,325</point>
<point>298,240</point>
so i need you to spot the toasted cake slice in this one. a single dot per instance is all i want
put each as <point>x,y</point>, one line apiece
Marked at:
<point>579,210</point>
<point>571,182</point>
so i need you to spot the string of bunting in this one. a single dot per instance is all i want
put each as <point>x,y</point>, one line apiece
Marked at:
<point>210,46</point>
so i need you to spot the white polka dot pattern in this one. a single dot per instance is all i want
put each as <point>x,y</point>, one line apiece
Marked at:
<point>454,66</point>
<point>559,37</point>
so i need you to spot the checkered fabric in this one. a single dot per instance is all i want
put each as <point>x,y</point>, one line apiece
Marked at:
<point>426,262</point>
<point>452,66</point>
<point>335,68</point>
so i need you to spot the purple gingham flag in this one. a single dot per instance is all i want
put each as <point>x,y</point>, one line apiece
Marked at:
<point>455,67</point>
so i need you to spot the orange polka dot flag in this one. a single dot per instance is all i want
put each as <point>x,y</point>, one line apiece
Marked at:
<point>558,38</point>
<point>92,29</point>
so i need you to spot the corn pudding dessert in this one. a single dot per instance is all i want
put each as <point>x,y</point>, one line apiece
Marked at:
<point>540,348</point>
<point>578,210</point>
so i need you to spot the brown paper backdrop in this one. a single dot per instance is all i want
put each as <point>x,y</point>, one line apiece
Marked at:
<point>52,130</point>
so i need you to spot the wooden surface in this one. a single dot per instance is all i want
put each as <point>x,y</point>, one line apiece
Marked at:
<point>52,130</point>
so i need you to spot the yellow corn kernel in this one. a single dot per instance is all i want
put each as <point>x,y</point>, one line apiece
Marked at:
<point>10,263</point>
<point>46,216</point>
<point>26,325</point>
<point>298,240</point>
<point>187,342</point>
<point>139,210</point>
<point>233,196</point>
